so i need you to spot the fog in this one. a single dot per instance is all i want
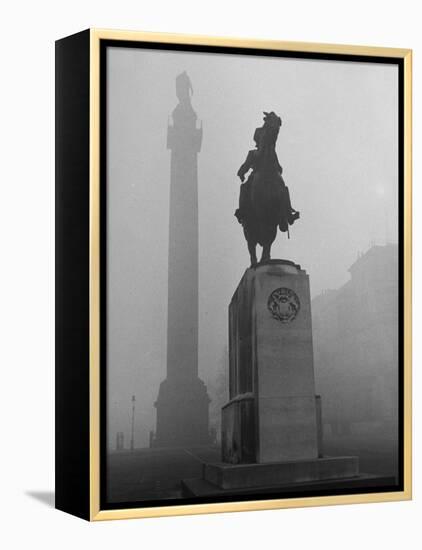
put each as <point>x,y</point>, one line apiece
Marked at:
<point>338,148</point>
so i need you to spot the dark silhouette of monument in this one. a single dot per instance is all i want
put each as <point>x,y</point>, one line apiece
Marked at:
<point>264,203</point>
<point>182,403</point>
<point>271,426</point>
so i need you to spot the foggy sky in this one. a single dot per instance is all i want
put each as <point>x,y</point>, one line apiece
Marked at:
<point>338,147</point>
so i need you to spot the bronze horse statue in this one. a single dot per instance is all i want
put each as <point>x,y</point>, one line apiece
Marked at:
<point>264,203</point>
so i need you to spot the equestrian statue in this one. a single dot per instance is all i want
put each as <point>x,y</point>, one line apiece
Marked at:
<point>264,202</point>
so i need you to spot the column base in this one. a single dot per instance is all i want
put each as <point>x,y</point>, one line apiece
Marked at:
<point>182,414</point>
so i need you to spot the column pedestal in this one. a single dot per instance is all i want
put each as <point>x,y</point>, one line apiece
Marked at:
<point>182,413</point>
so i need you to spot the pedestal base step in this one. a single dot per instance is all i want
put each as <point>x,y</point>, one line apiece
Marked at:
<point>202,488</point>
<point>239,476</point>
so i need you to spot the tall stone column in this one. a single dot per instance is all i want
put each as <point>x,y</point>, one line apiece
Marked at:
<point>182,403</point>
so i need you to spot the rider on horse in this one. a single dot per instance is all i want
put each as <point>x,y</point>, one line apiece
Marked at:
<point>264,159</point>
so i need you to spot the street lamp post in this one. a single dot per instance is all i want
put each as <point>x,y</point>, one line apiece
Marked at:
<point>132,439</point>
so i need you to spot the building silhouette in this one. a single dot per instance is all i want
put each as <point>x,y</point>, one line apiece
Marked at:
<point>355,332</point>
<point>182,402</point>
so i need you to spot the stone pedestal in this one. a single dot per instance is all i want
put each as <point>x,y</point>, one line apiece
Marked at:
<point>271,426</point>
<point>272,412</point>
<point>228,476</point>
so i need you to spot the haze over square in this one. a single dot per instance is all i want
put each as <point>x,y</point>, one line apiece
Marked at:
<point>338,149</point>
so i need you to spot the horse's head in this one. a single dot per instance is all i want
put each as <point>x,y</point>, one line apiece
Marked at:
<point>272,124</point>
<point>271,119</point>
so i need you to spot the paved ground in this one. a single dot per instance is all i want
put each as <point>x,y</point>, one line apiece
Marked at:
<point>376,456</point>
<point>151,474</point>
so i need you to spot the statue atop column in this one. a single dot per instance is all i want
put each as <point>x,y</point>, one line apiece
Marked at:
<point>183,136</point>
<point>264,203</point>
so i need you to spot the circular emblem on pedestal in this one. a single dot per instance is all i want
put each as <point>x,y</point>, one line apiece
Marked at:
<point>283,304</point>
